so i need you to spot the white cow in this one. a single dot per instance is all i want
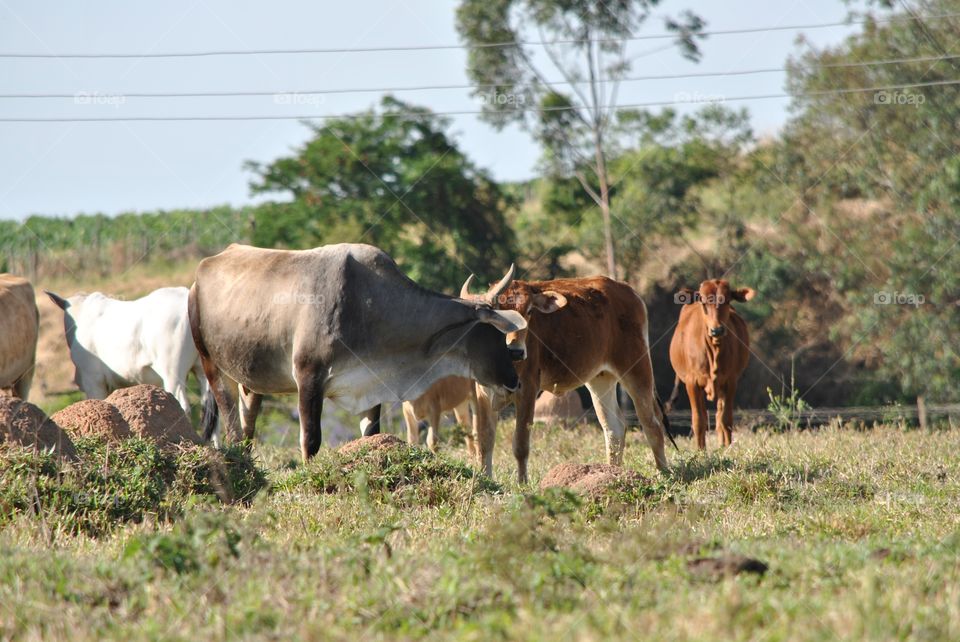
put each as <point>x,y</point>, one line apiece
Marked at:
<point>114,344</point>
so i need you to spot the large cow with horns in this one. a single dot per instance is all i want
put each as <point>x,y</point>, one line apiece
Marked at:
<point>338,322</point>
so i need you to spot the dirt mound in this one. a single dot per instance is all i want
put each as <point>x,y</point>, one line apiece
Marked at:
<point>565,408</point>
<point>592,480</point>
<point>371,445</point>
<point>154,413</point>
<point>24,424</point>
<point>93,418</point>
<point>725,565</point>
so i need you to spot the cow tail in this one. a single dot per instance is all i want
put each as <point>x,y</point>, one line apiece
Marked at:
<point>666,421</point>
<point>210,414</point>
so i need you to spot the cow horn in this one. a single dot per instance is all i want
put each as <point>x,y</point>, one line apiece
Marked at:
<point>499,288</point>
<point>465,290</point>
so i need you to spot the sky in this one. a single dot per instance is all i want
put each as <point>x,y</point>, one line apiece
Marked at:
<point>64,169</point>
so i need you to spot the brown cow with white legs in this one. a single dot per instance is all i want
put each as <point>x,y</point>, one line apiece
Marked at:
<point>588,331</point>
<point>19,329</point>
<point>709,351</point>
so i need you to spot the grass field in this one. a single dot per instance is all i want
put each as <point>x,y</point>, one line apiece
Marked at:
<point>859,528</point>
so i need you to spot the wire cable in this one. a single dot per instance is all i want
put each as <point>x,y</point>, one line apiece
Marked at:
<point>386,90</point>
<point>430,114</point>
<point>484,45</point>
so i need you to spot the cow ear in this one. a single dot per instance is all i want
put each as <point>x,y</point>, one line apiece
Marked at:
<point>686,296</point>
<point>506,321</point>
<point>549,301</point>
<point>62,303</point>
<point>743,294</point>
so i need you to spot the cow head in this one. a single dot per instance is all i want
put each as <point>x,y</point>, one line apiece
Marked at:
<point>492,362</point>
<point>520,297</point>
<point>714,298</point>
<point>481,335</point>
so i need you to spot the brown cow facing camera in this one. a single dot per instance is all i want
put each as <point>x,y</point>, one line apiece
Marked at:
<point>709,351</point>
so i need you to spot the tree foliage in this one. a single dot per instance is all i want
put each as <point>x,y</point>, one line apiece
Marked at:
<point>395,181</point>
<point>586,43</point>
<point>895,259</point>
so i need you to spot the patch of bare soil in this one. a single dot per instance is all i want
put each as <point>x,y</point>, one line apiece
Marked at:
<point>726,565</point>
<point>154,413</point>
<point>93,418</point>
<point>24,424</point>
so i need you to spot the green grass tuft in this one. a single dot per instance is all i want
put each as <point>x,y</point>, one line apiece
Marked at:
<point>118,483</point>
<point>409,476</point>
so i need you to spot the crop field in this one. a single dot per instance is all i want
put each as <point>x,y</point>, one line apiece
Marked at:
<point>858,529</point>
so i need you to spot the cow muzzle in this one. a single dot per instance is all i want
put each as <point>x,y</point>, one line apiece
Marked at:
<point>718,331</point>
<point>517,354</point>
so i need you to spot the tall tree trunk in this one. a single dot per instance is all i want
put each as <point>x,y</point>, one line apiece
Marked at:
<point>608,242</point>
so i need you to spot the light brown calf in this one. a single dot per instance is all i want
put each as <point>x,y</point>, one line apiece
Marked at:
<point>463,396</point>
<point>709,351</point>
<point>450,393</point>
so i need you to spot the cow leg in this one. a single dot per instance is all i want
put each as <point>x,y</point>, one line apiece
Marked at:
<point>370,424</point>
<point>310,404</point>
<point>462,414</point>
<point>22,386</point>
<point>413,424</point>
<point>649,417</point>
<point>526,401</point>
<point>178,388</point>
<point>698,414</point>
<point>725,414</point>
<point>250,403</point>
<point>603,391</point>
<point>434,426</point>
<point>484,430</point>
<point>225,404</point>
<point>96,389</point>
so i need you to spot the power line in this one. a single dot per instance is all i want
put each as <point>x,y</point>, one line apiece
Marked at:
<point>361,90</point>
<point>485,45</point>
<point>427,114</point>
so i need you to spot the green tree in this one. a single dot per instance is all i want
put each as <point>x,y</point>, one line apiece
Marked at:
<point>879,179</point>
<point>392,178</point>
<point>658,183</point>
<point>587,46</point>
